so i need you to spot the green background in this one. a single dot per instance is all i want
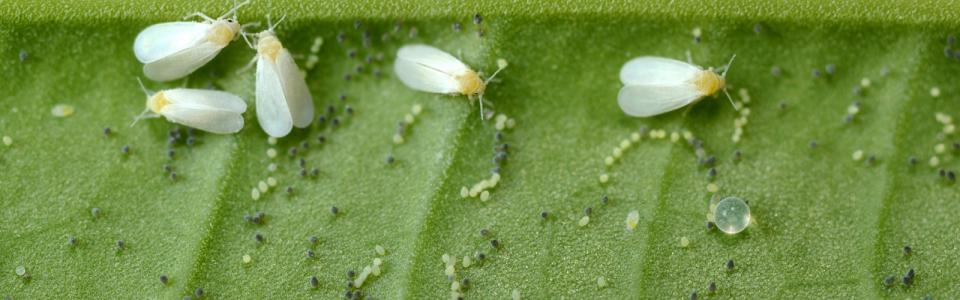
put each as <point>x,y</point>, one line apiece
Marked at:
<point>825,226</point>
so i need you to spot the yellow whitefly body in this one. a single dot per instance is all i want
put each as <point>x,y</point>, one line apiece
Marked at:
<point>470,83</point>
<point>269,46</point>
<point>157,102</point>
<point>222,32</point>
<point>708,82</point>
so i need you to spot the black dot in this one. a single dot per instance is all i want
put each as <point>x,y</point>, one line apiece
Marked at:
<point>72,241</point>
<point>314,282</point>
<point>258,237</point>
<point>120,244</point>
<point>95,212</point>
<point>164,279</point>
<point>351,274</point>
<point>106,131</point>
<point>314,240</point>
<point>712,287</point>
<point>889,281</point>
<point>604,200</point>
<point>587,211</point>
<point>198,292</point>
<point>484,232</point>
<point>477,19</point>
<point>544,215</point>
<point>729,264</point>
<point>125,149</point>
<point>907,250</point>
<point>495,244</point>
<point>334,210</point>
<point>775,71</point>
<point>693,295</point>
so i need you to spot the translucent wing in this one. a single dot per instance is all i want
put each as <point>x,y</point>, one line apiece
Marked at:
<point>206,99</point>
<point>165,39</point>
<point>182,63</point>
<point>428,69</point>
<point>651,100</point>
<point>295,89</point>
<point>652,70</point>
<point>211,120</point>
<point>272,110</point>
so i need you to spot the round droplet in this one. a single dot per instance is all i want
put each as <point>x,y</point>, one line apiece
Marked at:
<point>732,215</point>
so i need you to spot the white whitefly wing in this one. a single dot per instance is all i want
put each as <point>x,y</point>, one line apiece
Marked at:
<point>206,99</point>
<point>272,110</point>
<point>295,90</point>
<point>165,39</point>
<point>428,69</point>
<point>182,63</point>
<point>650,100</point>
<point>211,120</point>
<point>656,71</point>
<point>208,110</point>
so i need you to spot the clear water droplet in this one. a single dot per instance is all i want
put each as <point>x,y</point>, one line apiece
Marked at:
<point>732,215</point>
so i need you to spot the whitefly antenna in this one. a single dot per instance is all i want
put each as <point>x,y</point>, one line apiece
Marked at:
<point>727,68</point>
<point>233,11</point>
<point>724,75</point>
<point>142,114</point>
<point>271,27</point>
<point>481,106</point>
<point>501,64</point>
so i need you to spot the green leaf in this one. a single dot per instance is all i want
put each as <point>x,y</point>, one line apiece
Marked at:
<point>825,225</point>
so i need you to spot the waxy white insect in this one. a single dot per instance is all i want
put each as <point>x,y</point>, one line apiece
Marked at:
<point>428,69</point>
<point>656,85</point>
<point>207,110</point>
<point>283,99</point>
<point>175,49</point>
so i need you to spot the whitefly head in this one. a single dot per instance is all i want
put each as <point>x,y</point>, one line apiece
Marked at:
<point>708,82</point>
<point>226,27</point>
<point>267,42</point>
